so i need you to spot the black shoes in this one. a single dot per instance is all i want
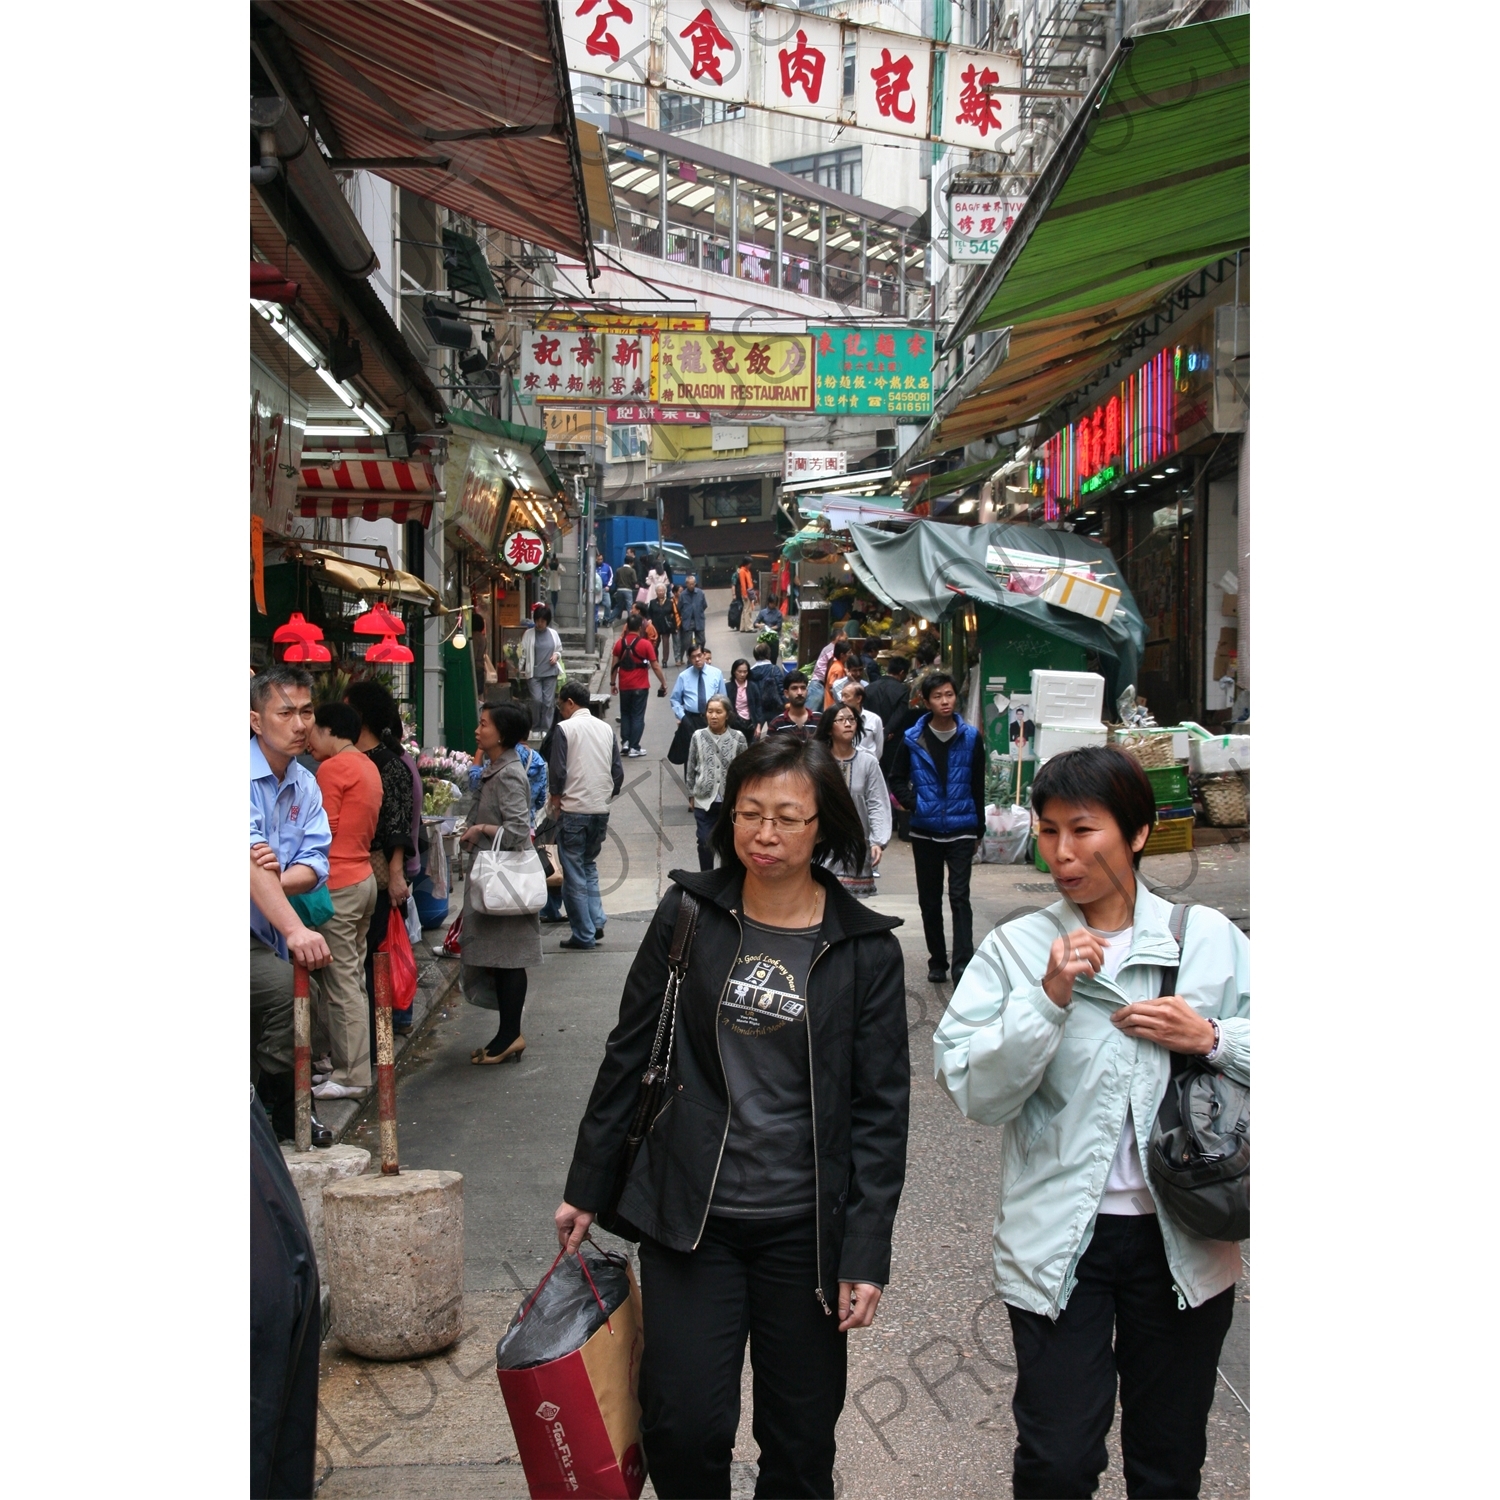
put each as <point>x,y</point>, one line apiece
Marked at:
<point>322,1136</point>
<point>553,921</point>
<point>572,942</point>
<point>599,936</point>
<point>937,973</point>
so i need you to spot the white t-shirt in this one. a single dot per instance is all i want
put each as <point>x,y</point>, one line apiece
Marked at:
<point>1125,1190</point>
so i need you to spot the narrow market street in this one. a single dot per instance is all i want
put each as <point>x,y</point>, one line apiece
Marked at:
<point>928,1410</point>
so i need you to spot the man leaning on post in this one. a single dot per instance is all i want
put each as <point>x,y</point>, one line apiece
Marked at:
<point>289,841</point>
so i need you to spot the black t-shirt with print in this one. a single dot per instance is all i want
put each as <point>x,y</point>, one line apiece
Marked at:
<point>767,1167</point>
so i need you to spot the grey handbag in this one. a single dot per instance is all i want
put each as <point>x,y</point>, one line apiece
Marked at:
<point>1199,1152</point>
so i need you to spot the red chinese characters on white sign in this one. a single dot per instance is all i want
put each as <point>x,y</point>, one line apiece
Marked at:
<point>979,99</point>
<point>707,48</point>
<point>804,64</point>
<point>524,550</point>
<point>893,76</point>
<point>612,37</point>
<point>584,366</point>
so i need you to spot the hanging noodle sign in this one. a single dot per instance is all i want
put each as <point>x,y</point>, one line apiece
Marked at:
<point>524,551</point>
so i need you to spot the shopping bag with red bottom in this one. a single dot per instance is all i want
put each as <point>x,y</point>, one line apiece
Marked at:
<point>568,1366</point>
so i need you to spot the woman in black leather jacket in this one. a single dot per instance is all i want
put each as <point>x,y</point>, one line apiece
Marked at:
<point>766,1188</point>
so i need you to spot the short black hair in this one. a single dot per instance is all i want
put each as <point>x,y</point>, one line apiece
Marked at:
<point>762,651</point>
<point>736,664</point>
<point>927,651</point>
<point>1103,775</point>
<point>840,837</point>
<point>278,674</point>
<point>933,681</point>
<point>856,663</point>
<point>896,665</point>
<point>338,719</point>
<point>824,731</point>
<point>574,692</point>
<point>512,722</point>
<point>841,648</point>
<point>377,711</point>
<point>633,620</point>
<point>795,677</point>
<point>541,615</point>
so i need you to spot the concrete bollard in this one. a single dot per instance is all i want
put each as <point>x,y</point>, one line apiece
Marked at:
<point>312,1171</point>
<point>396,1262</point>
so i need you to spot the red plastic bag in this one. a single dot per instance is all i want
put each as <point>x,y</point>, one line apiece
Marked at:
<point>403,961</point>
<point>453,943</point>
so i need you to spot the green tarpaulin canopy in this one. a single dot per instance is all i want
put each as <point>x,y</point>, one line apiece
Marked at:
<point>930,565</point>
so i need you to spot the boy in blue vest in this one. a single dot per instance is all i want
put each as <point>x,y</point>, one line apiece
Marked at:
<point>937,774</point>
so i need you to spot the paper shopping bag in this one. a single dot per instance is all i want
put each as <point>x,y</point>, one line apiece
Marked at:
<point>576,1418</point>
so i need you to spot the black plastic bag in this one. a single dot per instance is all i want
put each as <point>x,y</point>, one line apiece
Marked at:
<point>564,1312</point>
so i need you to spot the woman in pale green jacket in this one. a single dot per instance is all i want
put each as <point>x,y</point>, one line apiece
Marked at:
<point>1059,1031</point>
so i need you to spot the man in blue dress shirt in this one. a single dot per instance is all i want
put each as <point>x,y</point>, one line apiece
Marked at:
<point>289,839</point>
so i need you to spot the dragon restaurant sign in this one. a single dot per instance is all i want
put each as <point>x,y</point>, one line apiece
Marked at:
<point>736,372</point>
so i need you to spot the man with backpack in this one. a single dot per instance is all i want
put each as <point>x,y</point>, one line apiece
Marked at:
<point>635,660</point>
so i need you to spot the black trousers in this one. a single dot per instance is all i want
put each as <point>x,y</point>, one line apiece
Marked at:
<point>633,716</point>
<point>752,1278</point>
<point>705,818</point>
<point>1123,1319</point>
<point>929,858</point>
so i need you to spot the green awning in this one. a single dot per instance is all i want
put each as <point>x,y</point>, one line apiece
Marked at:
<point>528,443</point>
<point>1151,182</point>
<point>957,479</point>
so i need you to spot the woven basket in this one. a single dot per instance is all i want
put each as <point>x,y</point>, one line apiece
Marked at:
<point>1154,751</point>
<point>1226,800</point>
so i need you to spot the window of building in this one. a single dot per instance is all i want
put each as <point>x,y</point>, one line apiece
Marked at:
<point>681,112</point>
<point>628,442</point>
<point>831,169</point>
<point>731,501</point>
<point>849,71</point>
<point>627,98</point>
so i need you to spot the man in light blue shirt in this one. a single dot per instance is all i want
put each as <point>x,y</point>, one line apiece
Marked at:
<point>695,686</point>
<point>289,840</point>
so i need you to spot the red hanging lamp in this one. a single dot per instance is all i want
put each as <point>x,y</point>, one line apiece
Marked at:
<point>388,650</point>
<point>301,639</point>
<point>379,620</point>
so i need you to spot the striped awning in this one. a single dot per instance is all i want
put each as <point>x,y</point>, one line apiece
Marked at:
<point>464,102</point>
<point>367,484</point>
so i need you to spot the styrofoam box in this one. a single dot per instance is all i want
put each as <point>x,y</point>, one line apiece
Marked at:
<point>1053,739</point>
<point>1083,596</point>
<point>1227,752</point>
<point>1067,697</point>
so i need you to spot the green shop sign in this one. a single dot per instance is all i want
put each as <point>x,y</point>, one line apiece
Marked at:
<point>1107,475</point>
<point>880,370</point>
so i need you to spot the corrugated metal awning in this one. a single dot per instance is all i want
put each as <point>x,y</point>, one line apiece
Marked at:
<point>464,102</point>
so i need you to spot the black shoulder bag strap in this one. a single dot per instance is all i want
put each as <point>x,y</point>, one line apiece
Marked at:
<point>1176,925</point>
<point>654,1079</point>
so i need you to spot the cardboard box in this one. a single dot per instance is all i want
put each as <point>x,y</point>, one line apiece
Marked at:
<point>1226,752</point>
<point>1067,697</point>
<point>1083,596</point>
<point>1053,739</point>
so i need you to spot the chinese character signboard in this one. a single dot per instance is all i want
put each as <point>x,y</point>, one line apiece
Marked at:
<point>1135,426</point>
<point>815,463</point>
<point>584,365</point>
<point>476,505</point>
<point>523,550</point>
<point>708,49</point>
<point>977,224</point>
<point>874,370</point>
<point>610,37</point>
<point>597,322</point>
<point>797,66</point>
<point>683,417</point>
<point>975,113</point>
<point>892,78</point>
<point>736,371</point>
<point>803,57</point>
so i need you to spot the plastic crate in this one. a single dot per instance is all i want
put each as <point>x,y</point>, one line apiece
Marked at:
<point>1174,810</point>
<point>1174,836</point>
<point>1170,784</point>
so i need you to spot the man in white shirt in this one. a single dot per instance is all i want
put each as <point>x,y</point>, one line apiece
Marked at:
<point>584,772</point>
<point>695,686</point>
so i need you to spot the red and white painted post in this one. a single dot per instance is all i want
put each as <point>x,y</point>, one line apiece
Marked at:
<point>385,1065</point>
<point>302,1057</point>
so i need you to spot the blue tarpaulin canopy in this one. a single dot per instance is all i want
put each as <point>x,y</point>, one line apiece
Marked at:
<point>931,565</point>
